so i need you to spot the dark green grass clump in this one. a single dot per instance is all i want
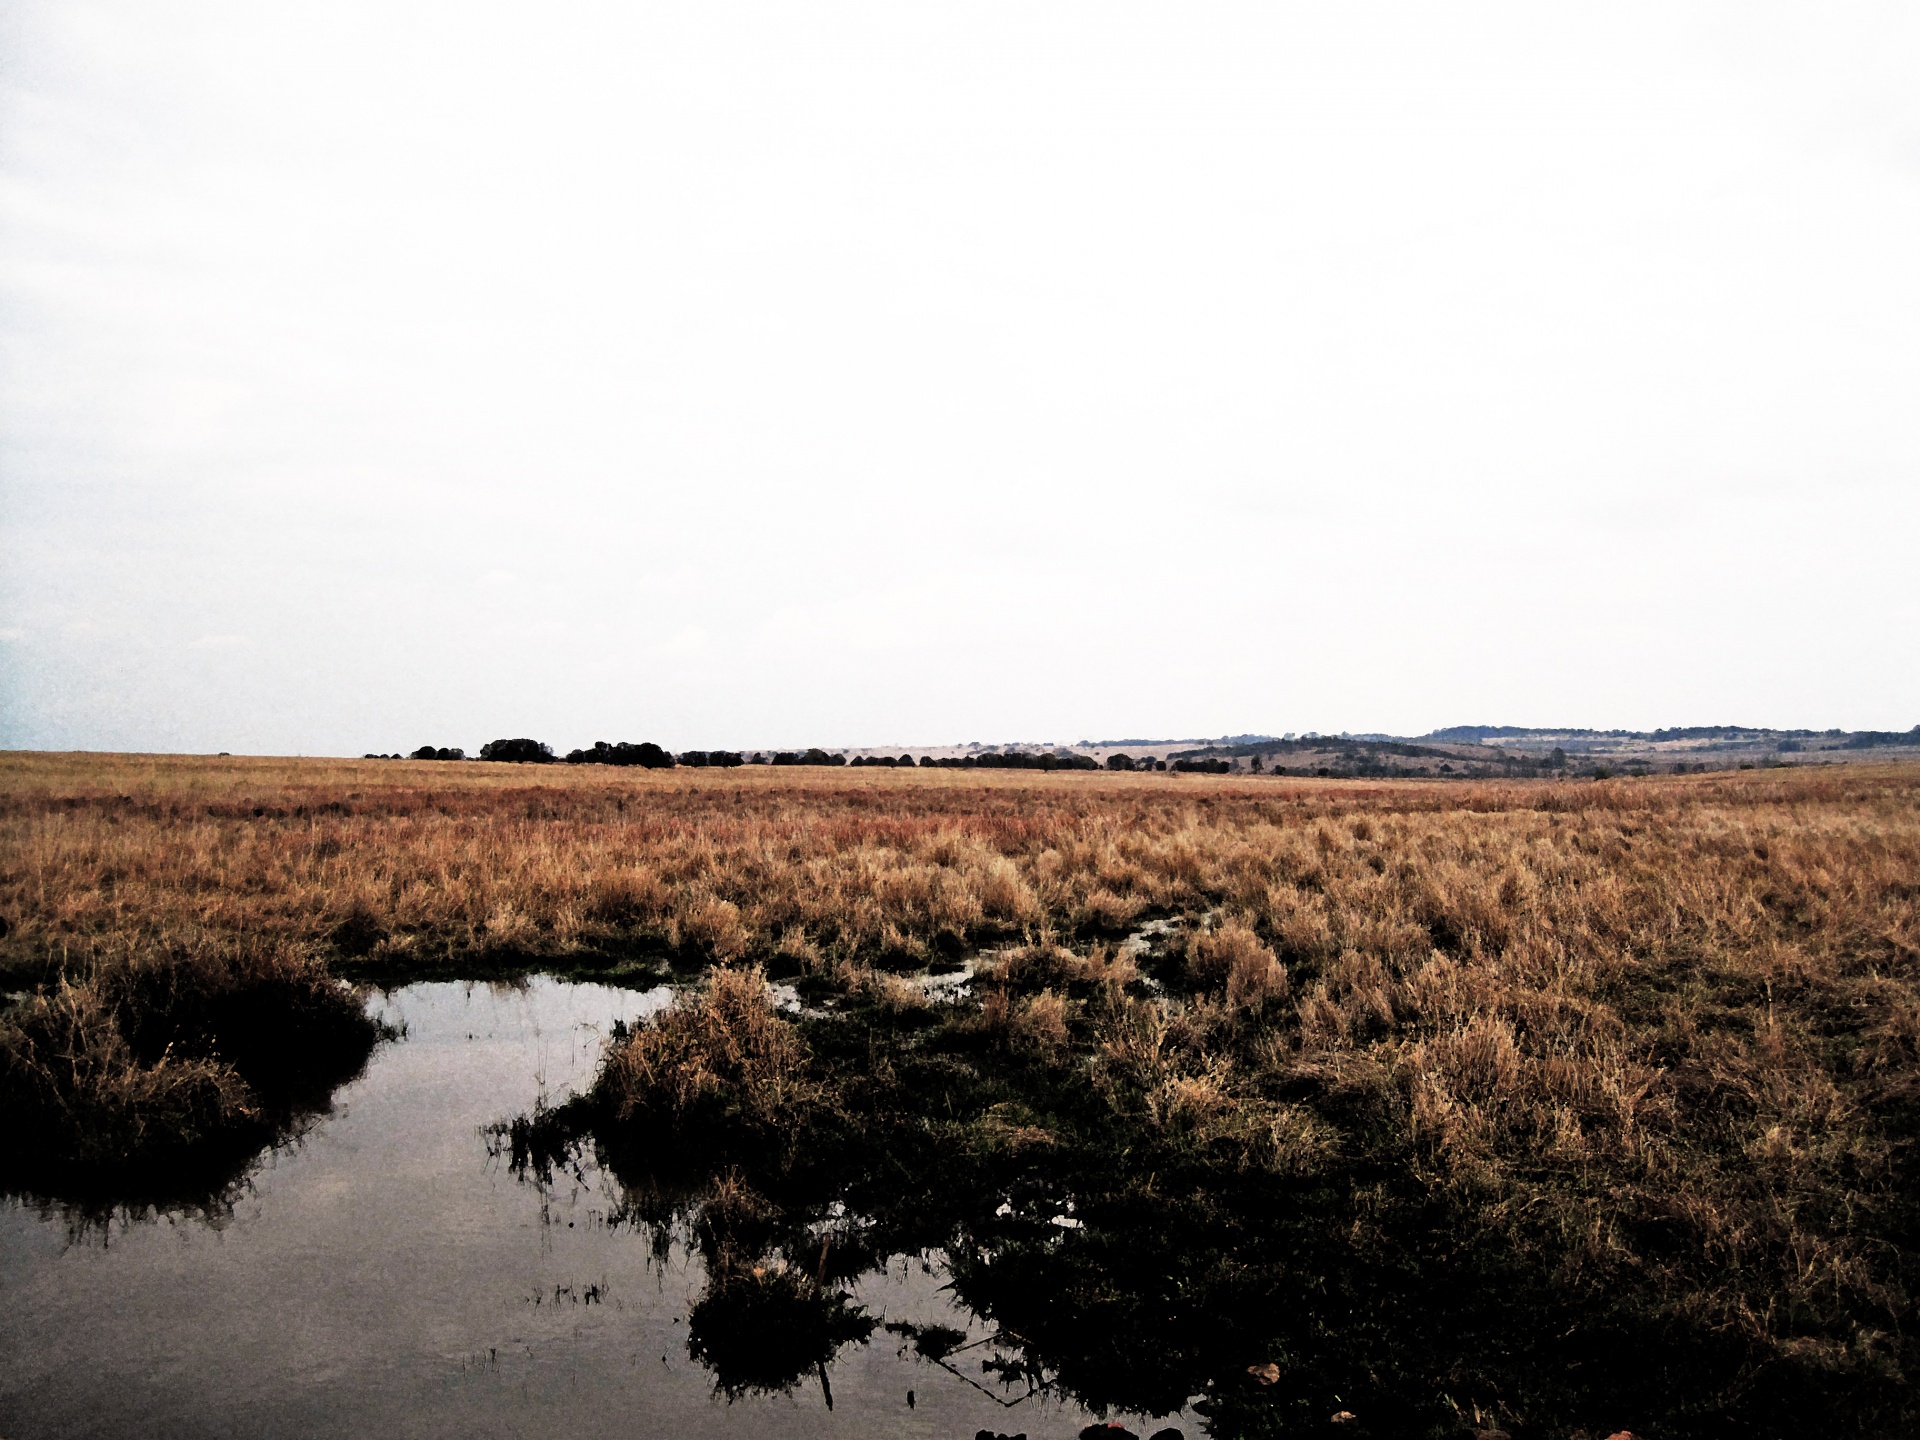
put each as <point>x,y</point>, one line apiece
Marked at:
<point>156,1077</point>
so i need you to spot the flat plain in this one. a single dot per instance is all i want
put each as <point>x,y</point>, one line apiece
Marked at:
<point>1537,1105</point>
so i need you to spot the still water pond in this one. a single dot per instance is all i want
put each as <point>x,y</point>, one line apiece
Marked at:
<point>385,1275</point>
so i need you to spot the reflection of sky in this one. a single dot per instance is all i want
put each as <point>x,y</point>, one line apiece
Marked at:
<point>384,1277</point>
<point>373,379</point>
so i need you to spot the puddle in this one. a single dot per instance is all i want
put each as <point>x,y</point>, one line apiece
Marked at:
<point>385,1275</point>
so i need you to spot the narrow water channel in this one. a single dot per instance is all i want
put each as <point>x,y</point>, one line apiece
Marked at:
<point>385,1275</point>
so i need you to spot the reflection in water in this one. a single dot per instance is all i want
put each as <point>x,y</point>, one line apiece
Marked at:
<point>1097,1269</point>
<point>384,1275</point>
<point>1131,1315</point>
<point>760,1329</point>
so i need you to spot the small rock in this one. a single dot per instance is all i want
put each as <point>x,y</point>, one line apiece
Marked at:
<point>1493,1435</point>
<point>1344,1417</point>
<point>1267,1374</point>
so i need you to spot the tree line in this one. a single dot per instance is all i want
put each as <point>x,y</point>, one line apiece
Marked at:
<point>646,754</point>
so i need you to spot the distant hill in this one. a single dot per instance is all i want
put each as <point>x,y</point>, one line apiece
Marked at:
<point>1756,734</point>
<point>1190,740</point>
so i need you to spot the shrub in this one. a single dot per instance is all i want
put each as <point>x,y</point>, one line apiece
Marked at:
<point>645,754</point>
<point>81,1104</point>
<point>520,752</point>
<point>1020,760</point>
<point>1231,958</point>
<point>427,752</point>
<point>718,1063</point>
<point>158,1070</point>
<point>1036,1024</point>
<point>700,759</point>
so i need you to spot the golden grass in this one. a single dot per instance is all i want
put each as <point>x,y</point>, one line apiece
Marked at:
<point>719,1057</point>
<point>417,863</point>
<point>1667,1027</point>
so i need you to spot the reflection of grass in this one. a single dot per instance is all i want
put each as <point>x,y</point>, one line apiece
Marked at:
<point>761,1329</point>
<point>930,1342</point>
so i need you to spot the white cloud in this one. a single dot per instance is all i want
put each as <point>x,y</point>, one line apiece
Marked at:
<point>857,373</point>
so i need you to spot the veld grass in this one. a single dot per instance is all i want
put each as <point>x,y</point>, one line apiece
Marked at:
<point>1655,1037</point>
<point>151,1073</point>
<point>722,1059</point>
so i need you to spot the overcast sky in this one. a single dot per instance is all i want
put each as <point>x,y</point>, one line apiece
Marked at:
<point>377,375</point>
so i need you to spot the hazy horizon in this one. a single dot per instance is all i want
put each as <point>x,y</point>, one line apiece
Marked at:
<point>560,748</point>
<point>719,376</point>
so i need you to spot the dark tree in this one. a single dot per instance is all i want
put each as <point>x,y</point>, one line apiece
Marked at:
<point>646,754</point>
<point>521,751</point>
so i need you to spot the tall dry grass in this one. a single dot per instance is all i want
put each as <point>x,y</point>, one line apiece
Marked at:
<point>718,1058</point>
<point>416,865</point>
<point>152,1072</point>
<point>1664,1030</point>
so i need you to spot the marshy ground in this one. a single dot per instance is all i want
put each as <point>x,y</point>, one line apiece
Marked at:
<point>1545,1107</point>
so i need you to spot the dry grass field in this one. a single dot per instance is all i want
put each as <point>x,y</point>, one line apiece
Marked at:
<point>1655,1038</point>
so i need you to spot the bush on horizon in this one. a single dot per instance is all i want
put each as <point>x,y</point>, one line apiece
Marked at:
<point>521,751</point>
